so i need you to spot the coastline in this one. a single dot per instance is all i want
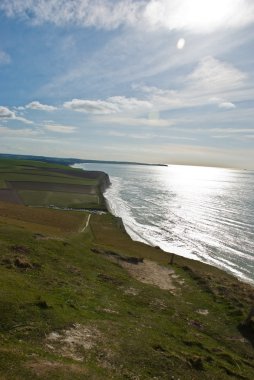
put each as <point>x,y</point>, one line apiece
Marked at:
<point>170,253</point>
<point>81,298</point>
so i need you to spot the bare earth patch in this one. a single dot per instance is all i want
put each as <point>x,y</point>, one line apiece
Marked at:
<point>203,311</point>
<point>152,273</point>
<point>131,291</point>
<point>72,342</point>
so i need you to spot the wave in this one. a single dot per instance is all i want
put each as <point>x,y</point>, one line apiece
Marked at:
<point>211,223</point>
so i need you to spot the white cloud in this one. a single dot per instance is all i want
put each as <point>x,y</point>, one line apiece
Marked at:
<point>59,128</point>
<point>146,136</point>
<point>214,75</point>
<point>195,15</point>
<point>227,105</point>
<point>222,103</point>
<point>112,105</point>
<point>140,136</point>
<point>35,105</point>
<point>91,106</point>
<point>22,132</point>
<point>105,14</point>
<point>136,121</point>
<point>6,113</point>
<point>199,15</point>
<point>23,120</point>
<point>211,82</point>
<point>4,58</point>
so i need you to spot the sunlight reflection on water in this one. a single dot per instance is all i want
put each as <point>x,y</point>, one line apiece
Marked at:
<point>198,212</point>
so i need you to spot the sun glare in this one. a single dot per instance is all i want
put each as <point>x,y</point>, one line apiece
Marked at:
<point>207,14</point>
<point>180,43</point>
<point>195,15</point>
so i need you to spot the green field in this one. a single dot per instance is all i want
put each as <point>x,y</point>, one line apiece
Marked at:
<point>74,304</point>
<point>2,184</point>
<point>43,186</point>
<point>24,164</point>
<point>46,178</point>
<point>58,199</point>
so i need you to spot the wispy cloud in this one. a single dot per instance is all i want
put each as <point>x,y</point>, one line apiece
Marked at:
<point>60,128</point>
<point>227,105</point>
<point>211,82</point>
<point>18,132</point>
<point>109,14</point>
<point>212,75</point>
<point>35,105</point>
<point>111,105</point>
<point>147,136</point>
<point>23,120</point>
<point>135,121</point>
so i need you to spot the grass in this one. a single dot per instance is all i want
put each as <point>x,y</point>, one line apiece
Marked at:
<point>149,333</point>
<point>46,178</point>
<point>40,184</point>
<point>58,199</point>
<point>51,222</point>
<point>10,163</point>
<point>56,279</point>
<point>2,184</point>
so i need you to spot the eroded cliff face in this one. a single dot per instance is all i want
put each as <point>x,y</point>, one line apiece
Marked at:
<point>104,181</point>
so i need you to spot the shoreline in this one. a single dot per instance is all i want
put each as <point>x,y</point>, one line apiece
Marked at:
<point>81,299</point>
<point>170,253</point>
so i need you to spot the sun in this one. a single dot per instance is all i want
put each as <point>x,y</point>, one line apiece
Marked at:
<point>195,15</point>
<point>205,14</point>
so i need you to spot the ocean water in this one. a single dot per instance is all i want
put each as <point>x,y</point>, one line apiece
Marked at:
<point>201,213</point>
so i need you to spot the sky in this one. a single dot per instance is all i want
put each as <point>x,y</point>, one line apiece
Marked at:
<point>156,81</point>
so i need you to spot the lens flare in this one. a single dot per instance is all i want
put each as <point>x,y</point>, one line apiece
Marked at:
<point>180,43</point>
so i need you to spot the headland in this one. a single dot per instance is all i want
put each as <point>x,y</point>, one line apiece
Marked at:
<point>80,300</point>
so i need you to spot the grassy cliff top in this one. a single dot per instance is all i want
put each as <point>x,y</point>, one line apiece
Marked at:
<point>80,300</point>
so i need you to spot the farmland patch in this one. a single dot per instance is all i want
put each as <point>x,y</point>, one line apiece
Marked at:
<point>66,221</point>
<point>12,176</point>
<point>9,195</point>
<point>58,199</point>
<point>2,184</point>
<point>51,187</point>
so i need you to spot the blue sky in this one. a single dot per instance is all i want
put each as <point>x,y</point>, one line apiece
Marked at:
<point>166,81</point>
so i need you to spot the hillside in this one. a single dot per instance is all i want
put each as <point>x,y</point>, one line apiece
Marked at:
<point>80,300</point>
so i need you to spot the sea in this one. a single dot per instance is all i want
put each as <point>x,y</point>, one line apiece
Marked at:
<point>202,213</point>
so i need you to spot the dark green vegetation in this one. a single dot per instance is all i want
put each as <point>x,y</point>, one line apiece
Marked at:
<point>69,161</point>
<point>42,184</point>
<point>73,306</point>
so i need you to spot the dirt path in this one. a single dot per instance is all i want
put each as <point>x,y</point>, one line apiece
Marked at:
<point>87,223</point>
<point>152,273</point>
